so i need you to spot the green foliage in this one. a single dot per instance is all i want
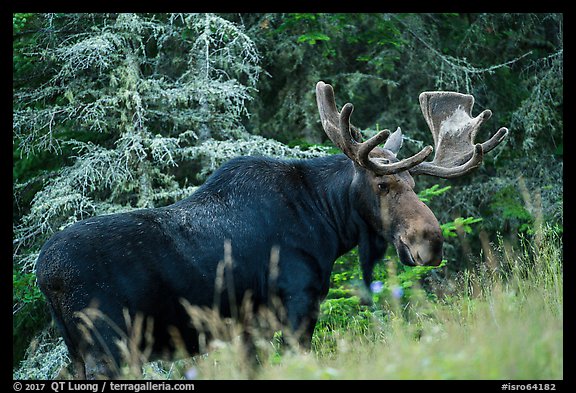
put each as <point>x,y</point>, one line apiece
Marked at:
<point>29,312</point>
<point>508,204</point>
<point>427,194</point>
<point>22,61</point>
<point>19,21</point>
<point>312,38</point>
<point>337,313</point>
<point>450,229</point>
<point>24,287</point>
<point>345,268</point>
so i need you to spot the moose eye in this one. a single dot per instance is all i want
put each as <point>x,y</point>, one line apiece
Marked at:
<point>383,187</point>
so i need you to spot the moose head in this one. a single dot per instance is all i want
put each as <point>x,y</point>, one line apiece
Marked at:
<point>385,184</point>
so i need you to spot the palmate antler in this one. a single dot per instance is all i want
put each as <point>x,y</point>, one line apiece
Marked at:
<point>448,115</point>
<point>348,139</point>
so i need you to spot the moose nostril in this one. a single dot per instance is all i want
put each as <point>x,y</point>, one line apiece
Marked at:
<point>428,257</point>
<point>419,259</point>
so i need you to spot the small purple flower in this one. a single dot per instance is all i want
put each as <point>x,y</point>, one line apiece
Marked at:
<point>397,292</point>
<point>376,286</point>
<point>191,373</point>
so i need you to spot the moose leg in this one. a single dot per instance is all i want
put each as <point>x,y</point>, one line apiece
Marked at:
<point>105,332</point>
<point>79,368</point>
<point>301,314</point>
<point>77,363</point>
<point>102,356</point>
<point>299,295</point>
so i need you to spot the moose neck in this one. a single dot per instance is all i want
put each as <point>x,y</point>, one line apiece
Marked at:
<point>332,184</point>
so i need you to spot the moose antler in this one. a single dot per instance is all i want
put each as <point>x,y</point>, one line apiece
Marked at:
<point>448,115</point>
<point>348,138</point>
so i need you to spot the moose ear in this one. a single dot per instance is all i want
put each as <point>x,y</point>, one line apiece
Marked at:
<point>394,141</point>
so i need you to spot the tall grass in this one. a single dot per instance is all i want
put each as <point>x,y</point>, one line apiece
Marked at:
<point>502,320</point>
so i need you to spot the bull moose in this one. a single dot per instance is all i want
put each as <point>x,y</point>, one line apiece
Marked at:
<point>149,261</point>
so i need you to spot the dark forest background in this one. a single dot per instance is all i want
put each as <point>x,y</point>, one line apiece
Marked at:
<point>113,112</point>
